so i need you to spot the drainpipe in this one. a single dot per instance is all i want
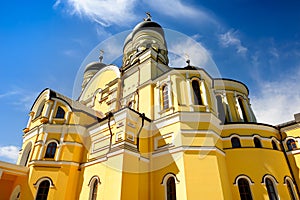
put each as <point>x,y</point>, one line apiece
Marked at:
<point>110,115</point>
<point>288,162</point>
<point>139,132</point>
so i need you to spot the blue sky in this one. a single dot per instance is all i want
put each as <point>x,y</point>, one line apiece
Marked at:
<point>43,44</point>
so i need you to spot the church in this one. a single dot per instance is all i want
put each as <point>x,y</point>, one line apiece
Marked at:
<point>145,130</point>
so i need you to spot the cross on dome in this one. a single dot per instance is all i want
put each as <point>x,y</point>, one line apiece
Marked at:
<point>148,17</point>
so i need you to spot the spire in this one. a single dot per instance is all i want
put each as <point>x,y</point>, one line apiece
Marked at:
<point>148,17</point>
<point>101,56</point>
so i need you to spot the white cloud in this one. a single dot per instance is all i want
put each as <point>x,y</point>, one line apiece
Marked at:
<point>278,101</point>
<point>123,12</point>
<point>9,153</point>
<point>230,39</point>
<point>182,47</point>
<point>177,9</point>
<point>104,12</point>
<point>188,49</point>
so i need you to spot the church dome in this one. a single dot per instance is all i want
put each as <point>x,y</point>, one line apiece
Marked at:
<point>145,25</point>
<point>91,69</point>
<point>145,35</point>
<point>94,66</point>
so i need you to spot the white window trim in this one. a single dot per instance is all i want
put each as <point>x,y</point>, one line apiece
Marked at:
<point>245,177</point>
<point>15,193</point>
<point>287,178</point>
<point>37,184</point>
<point>156,139</point>
<point>160,86</point>
<point>46,146</point>
<point>203,92</point>
<point>164,183</point>
<point>275,184</point>
<point>239,109</point>
<point>91,185</point>
<point>26,153</point>
<point>249,182</point>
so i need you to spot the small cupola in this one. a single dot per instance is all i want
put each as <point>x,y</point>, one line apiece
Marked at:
<point>91,69</point>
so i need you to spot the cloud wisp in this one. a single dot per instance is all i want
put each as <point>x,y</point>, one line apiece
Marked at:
<point>9,153</point>
<point>104,12</point>
<point>277,101</point>
<point>123,12</point>
<point>178,9</point>
<point>19,98</point>
<point>230,39</point>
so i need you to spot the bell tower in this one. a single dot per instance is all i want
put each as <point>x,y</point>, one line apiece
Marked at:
<point>145,57</point>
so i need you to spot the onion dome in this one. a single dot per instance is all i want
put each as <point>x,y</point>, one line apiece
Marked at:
<point>94,66</point>
<point>91,69</point>
<point>145,35</point>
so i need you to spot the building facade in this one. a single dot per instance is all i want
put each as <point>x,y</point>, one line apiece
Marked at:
<point>145,130</point>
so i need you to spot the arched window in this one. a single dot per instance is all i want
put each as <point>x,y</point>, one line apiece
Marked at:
<point>274,145</point>
<point>15,195</point>
<point>169,181</point>
<point>291,190</point>
<point>171,189</point>
<point>25,155</point>
<point>244,189</point>
<point>51,149</point>
<point>257,143</point>
<point>235,142</point>
<point>242,110</point>
<point>271,189</point>
<point>40,110</point>
<point>43,190</point>
<point>93,184</point>
<point>291,144</point>
<point>165,97</point>
<point>94,190</point>
<point>221,111</point>
<point>60,113</point>
<point>197,93</point>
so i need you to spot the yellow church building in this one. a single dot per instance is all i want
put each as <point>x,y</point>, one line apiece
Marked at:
<point>147,131</point>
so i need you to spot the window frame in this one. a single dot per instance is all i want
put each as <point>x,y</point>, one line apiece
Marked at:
<point>242,111</point>
<point>39,111</point>
<point>257,142</point>
<point>16,193</point>
<point>274,145</point>
<point>292,145</point>
<point>165,184</point>
<point>46,150</point>
<point>197,95</point>
<point>26,154</point>
<point>94,187</point>
<point>221,109</point>
<point>59,115</point>
<point>165,100</point>
<point>291,187</point>
<point>237,145</point>
<point>248,193</point>
<point>38,184</point>
<point>267,179</point>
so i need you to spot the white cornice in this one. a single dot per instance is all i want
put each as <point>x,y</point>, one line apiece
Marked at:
<point>250,126</point>
<point>47,163</point>
<point>187,148</point>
